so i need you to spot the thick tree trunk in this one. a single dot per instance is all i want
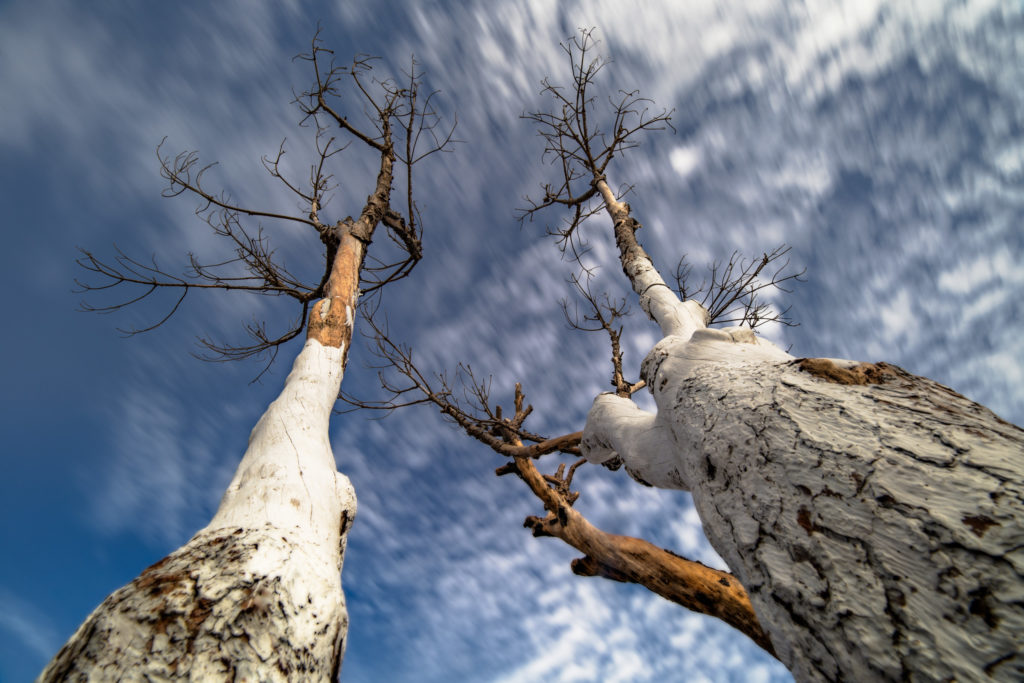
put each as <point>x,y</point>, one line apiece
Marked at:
<point>256,595</point>
<point>875,518</point>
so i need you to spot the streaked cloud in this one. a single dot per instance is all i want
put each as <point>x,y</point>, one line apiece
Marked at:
<point>27,625</point>
<point>881,140</point>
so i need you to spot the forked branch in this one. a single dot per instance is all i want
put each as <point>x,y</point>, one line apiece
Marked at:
<point>581,138</point>
<point>466,402</point>
<point>401,126</point>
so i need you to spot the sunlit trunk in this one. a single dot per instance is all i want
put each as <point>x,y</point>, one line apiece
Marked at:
<point>876,518</point>
<point>256,595</point>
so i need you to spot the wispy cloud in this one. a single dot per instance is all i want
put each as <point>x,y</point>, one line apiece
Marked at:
<point>881,140</point>
<point>28,625</point>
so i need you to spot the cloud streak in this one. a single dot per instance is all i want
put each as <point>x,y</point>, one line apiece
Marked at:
<point>881,140</point>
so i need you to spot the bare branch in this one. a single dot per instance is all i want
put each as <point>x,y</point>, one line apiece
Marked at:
<point>390,110</point>
<point>603,312</point>
<point>620,558</point>
<point>733,292</point>
<point>184,174</point>
<point>581,141</point>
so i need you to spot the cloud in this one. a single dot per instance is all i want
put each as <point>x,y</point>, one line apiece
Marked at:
<point>880,140</point>
<point>28,625</point>
<point>166,474</point>
<point>684,160</point>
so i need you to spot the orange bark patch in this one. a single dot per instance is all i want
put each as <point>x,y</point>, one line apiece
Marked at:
<point>863,373</point>
<point>330,322</point>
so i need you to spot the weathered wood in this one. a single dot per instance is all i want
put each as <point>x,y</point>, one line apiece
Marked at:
<point>876,518</point>
<point>256,595</point>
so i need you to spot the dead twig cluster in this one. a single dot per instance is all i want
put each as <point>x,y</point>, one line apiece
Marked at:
<point>733,292</point>
<point>581,140</point>
<point>396,121</point>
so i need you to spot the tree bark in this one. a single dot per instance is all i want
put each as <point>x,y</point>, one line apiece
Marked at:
<point>256,594</point>
<point>876,518</point>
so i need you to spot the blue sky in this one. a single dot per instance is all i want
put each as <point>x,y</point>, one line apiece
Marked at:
<point>883,141</point>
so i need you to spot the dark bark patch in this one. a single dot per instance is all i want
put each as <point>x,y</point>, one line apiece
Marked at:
<point>980,607</point>
<point>859,375</point>
<point>638,478</point>
<point>155,565</point>
<point>798,552</point>
<point>990,668</point>
<point>803,518</point>
<point>160,583</point>
<point>563,515</point>
<point>979,524</point>
<point>198,614</point>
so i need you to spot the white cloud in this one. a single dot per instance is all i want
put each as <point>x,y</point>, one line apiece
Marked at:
<point>27,624</point>
<point>972,275</point>
<point>685,160</point>
<point>896,315</point>
<point>164,478</point>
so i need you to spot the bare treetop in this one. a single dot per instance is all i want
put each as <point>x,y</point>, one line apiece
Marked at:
<point>401,125</point>
<point>582,137</point>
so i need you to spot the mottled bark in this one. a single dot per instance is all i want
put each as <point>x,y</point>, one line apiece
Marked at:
<point>229,605</point>
<point>876,518</point>
<point>256,595</point>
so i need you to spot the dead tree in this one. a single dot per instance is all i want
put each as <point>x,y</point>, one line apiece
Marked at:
<point>256,594</point>
<point>873,520</point>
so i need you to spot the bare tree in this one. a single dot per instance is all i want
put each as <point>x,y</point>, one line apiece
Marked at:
<point>256,594</point>
<point>873,520</point>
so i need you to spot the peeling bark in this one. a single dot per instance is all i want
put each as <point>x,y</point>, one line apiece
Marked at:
<point>876,518</point>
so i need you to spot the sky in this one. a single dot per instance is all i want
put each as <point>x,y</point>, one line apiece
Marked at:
<point>882,141</point>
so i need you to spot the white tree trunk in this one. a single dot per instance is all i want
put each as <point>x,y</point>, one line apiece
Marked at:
<point>876,518</point>
<point>256,595</point>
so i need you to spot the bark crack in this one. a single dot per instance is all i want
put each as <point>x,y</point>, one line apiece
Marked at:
<point>302,474</point>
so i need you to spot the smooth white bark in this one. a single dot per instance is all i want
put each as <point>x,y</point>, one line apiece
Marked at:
<point>879,529</point>
<point>657,299</point>
<point>256,595</point>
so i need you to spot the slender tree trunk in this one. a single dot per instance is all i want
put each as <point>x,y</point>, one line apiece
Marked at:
<point>256,595</point>
<point>876,518</point>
